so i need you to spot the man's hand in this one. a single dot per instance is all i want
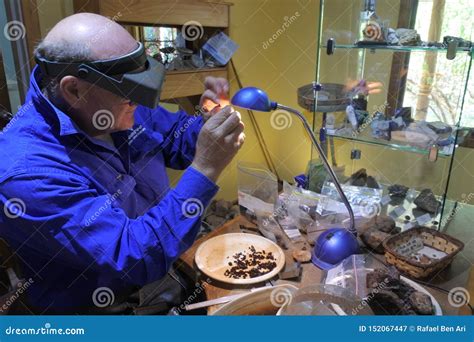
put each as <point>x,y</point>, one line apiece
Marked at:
<point>218,142</point>
<point>216,93</point>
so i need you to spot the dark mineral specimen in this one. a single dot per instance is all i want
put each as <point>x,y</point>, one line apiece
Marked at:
<point>427,201</point>
<point>388,294</point>
<point>398,190</point>
<point>421,303</point>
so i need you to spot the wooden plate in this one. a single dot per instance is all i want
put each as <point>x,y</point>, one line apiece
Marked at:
<point>213,256</point>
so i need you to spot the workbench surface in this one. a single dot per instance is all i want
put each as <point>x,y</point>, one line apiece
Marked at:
<point>457,274</point>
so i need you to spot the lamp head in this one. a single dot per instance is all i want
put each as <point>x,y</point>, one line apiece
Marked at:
<point>333,246</point>
<point>254,99</point>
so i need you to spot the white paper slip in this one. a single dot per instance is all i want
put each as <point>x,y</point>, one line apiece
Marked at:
<point>413,245</point>
<point>423,219</point>
<point>397,212</point>
<point>385,200</point>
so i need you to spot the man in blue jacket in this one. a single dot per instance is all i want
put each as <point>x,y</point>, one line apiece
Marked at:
<point>85,201</point>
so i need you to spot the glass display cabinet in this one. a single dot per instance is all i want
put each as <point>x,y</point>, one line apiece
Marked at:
<point>394,78</point>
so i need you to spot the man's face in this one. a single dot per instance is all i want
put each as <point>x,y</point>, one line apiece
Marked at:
<point>101,111</point>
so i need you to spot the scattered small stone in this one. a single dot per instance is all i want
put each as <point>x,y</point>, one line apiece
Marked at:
<point>250,264</point>
<point>302,255</point>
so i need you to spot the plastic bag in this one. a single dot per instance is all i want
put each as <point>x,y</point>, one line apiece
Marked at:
<point>350,274</point>
<point>364,201</point>
<point>258,190</point>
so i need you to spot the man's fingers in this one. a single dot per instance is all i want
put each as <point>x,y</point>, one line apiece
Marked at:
<point>237,136</point>
<point>230,124</point>
<point>209,95</point>
<point>219,85</point>
<point>217,119</point>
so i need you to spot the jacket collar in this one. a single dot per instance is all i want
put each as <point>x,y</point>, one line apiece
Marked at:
<point>66,125</point>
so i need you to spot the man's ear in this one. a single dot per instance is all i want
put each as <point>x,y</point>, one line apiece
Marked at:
<point>71,91</point>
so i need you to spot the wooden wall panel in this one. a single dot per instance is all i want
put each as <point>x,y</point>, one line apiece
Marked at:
<point>167,12</point>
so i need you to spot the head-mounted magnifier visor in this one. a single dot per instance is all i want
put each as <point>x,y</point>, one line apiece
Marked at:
<point>134,76</point>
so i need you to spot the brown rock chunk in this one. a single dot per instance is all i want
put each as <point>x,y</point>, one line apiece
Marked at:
<point>222,208</point>
<point>374,238</point>
<point>383,223</point>
<point>301,256</point>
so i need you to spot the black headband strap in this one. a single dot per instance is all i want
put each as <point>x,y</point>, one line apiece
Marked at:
<point>113,66</point>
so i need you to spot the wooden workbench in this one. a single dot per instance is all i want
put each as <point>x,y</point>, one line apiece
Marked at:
<point>455,275</point>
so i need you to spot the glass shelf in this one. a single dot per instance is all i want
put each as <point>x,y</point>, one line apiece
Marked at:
<point>364,136</point>
<point>398,48</point>
<point>406,213</point>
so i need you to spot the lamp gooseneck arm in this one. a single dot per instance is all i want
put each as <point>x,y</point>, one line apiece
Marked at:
<point>326,164</point>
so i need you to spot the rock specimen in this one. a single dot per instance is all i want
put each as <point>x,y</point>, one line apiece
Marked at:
<point>427,201</point>
<point>374,239</point>
<point>389,294</point>
<point>302,256</point>
<point>397,190</point>
<point>218,212</point>
<point>421,303</point>
<point>385,302</point>
<point>376,230</point>
<point>383,223</point>
<point>408,37</point>
<point>360,178</point>
<point>440,127</point>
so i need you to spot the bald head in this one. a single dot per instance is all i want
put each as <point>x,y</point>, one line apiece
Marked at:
<point>86,37</point>
<point>98,36</point>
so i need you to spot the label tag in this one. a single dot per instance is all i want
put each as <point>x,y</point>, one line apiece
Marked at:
<point>385,200</point>
<point>398,211</point>
<point>423,219</point>
<point>413,245</point>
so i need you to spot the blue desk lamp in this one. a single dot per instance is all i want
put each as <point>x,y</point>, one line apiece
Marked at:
<point>335,244</point>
